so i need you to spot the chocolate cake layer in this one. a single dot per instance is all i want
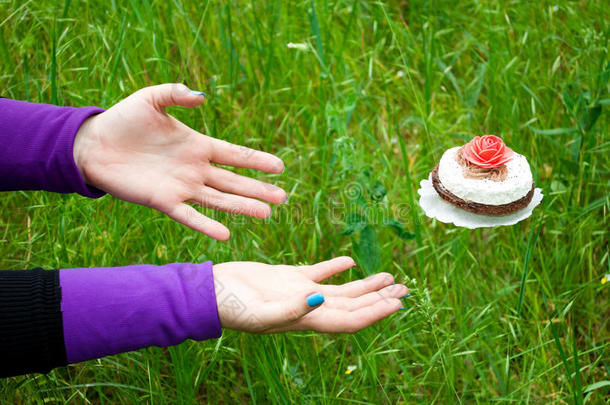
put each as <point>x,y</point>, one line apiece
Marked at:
<point>477,208</point>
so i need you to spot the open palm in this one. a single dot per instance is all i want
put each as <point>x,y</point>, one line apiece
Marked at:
<point>261,298</point>
<point>137,152</point>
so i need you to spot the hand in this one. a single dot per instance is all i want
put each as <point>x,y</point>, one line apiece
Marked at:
<point>260,298</point>
<point>138,153</point>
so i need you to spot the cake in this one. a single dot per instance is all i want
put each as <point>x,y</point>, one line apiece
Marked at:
<point>484,177</point>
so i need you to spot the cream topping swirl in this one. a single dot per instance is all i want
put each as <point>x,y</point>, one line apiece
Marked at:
<point>517,184</point>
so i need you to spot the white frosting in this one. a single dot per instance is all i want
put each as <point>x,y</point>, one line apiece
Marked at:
<point>435,207</point>
<point>517,184</point>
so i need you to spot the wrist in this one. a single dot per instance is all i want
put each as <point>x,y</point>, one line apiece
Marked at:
<point>84,145</point>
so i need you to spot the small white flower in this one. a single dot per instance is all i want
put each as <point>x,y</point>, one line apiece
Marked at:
<point>400,73</point>
<point>350,369</point>
<point>301,46</point>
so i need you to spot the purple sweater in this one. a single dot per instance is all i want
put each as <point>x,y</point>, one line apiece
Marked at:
<point>110,310</point>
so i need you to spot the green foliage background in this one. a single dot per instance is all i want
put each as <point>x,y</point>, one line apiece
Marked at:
<point>360,112</point>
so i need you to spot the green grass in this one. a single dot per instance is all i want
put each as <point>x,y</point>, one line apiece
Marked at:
<point>506,315</point>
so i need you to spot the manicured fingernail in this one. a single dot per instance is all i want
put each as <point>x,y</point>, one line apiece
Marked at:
<point>401,308</point>
<point>198,93</point>
<point>315,299</point>
<point>406,296</point>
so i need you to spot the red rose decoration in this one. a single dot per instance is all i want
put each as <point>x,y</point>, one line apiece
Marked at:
<point>487,151</point>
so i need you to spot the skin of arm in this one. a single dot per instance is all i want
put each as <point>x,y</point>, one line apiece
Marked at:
<point>261,298</point>
<point>112,310</point>
<point>135,151</point>
<point>139,153</point>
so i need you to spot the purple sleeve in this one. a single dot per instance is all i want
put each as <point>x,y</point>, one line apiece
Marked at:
<point>37,147</point>
<point>118,309</point>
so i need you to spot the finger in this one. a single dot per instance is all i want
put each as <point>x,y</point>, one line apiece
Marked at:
<point>323,270</point>
<point>276,314</point>
<point>170,94</point>
<point>231,203</point>
<point>189,216</point>
<point>230,182</point>
<point>226,153</point>
<point>353,304</point>
<point>330,320</point>
<point>359,287</point>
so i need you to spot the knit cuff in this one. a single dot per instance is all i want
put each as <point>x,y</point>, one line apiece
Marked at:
<point>31,331</point>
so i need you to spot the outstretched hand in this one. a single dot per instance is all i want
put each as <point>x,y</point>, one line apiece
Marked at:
<point>261,298</point>
<point>139,153</point>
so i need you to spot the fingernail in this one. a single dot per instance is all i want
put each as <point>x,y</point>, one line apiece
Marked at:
<point>198,93</point>
<point>406,296</point>
<point>401,308</point>
<point>315,299</point>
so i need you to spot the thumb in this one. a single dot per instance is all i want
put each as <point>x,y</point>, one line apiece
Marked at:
<point>287,311</point>
<point>170,94</point>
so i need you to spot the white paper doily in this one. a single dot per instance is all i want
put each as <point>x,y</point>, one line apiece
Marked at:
<point>435,207</point>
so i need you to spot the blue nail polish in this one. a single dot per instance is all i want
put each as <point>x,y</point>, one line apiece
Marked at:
<point>315,299</point>
<point>198,93</point>
<point>401,308</point>
<point>406,296</point>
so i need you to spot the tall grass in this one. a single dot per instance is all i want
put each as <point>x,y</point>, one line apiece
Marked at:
<point>513,314</point>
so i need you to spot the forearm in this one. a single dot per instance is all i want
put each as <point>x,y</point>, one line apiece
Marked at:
<point>37,147</point>
<point>73,315</point>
